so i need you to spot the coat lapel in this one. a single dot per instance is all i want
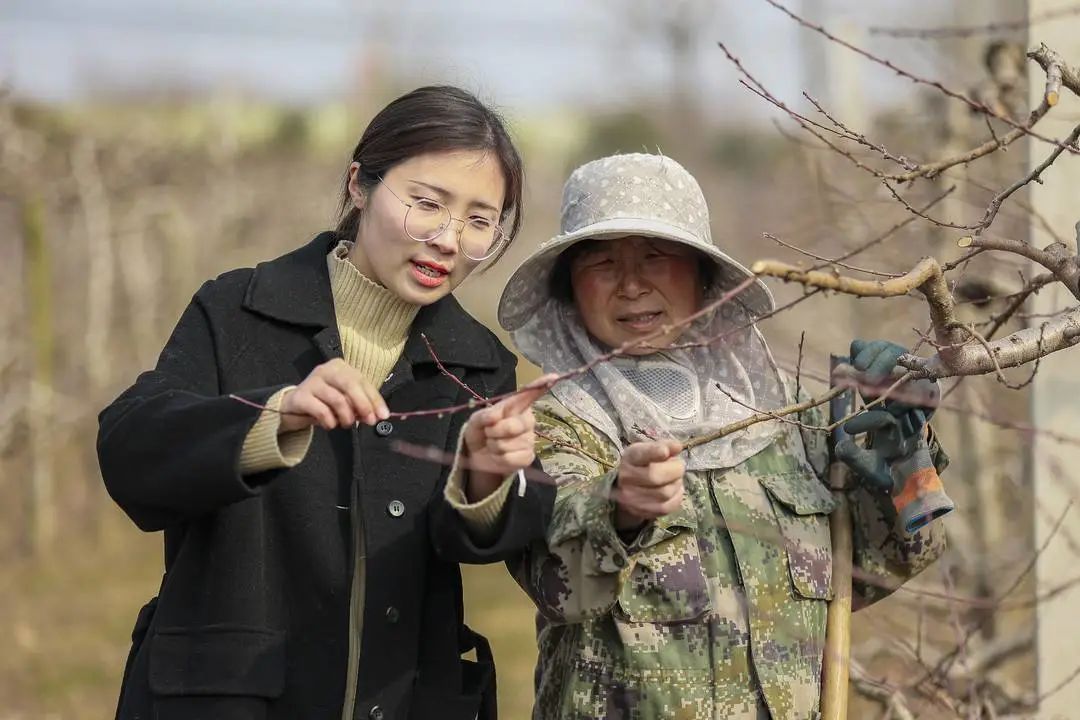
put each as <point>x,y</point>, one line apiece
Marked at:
<point>295,289</point>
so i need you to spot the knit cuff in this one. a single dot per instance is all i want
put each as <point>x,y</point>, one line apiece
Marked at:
<point>481,517</point>
<point>264,449</point>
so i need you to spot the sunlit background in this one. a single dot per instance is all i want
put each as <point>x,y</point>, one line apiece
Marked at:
<point>148,146</point>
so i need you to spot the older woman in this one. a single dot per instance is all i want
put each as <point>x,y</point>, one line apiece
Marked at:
<point>681,583</point>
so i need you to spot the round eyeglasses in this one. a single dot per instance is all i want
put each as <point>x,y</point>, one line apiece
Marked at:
<point>425,220</point>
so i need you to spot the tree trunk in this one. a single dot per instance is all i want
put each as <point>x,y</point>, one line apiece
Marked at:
<point>40,502</point>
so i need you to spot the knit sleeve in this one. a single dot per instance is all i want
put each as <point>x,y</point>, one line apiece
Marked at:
<point>265,449</point>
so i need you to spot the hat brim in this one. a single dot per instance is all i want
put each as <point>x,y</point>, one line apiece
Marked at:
<point>527,288</point>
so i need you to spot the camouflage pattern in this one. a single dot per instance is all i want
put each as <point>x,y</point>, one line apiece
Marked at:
<point>714,611</point>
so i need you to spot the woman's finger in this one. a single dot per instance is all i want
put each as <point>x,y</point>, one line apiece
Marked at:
<point>358,399</point>
<point>366,400</point>
<point>643,454</point>
<point>305,403</point>
<point>336,401</point>
<point>666,473</point>
<point>511,445</point>
<point>382,410</point>
<point>510,427</point>
<point>524,398</point>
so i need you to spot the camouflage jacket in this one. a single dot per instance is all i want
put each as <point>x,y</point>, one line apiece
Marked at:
<point>714,611</point>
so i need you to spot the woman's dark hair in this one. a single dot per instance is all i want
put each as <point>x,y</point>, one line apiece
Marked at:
<point>559,285</point>
<point>436,118</point>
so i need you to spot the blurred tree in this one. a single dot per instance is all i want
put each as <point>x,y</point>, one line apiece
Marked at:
<point>623,131</point>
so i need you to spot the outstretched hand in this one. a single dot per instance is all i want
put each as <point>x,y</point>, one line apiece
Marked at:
<point>500,440</point>
<point>650,482</point>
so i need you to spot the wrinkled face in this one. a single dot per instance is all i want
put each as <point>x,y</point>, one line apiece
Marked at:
<point>469,183</point>
<point>630,287</point>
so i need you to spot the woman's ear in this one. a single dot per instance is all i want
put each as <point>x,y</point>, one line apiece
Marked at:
<point>359,197</point>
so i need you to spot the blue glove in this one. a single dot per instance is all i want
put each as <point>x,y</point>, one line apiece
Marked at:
<point>915,402</point>
<point>896,458</point>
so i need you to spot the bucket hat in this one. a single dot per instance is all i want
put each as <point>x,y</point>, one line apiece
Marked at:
<point>626,195</point>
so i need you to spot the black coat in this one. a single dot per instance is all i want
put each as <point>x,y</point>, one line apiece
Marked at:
<point>252,615</point>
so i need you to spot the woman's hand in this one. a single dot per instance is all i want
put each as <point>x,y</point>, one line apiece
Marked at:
<point>499,440</point>
<point>334,395</point>
<point>650,482</point>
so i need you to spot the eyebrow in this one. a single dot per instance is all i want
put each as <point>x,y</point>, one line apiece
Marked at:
<point>447,194</point>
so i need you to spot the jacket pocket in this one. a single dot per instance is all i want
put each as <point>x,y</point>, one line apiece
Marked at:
<point>665,582</point>
<point>216,671</point>
<point>802,506</point>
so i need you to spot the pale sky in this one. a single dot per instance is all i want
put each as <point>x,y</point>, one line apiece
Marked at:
<point>519,53</point>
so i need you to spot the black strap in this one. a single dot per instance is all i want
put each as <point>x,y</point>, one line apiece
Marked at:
<point>479,677</point>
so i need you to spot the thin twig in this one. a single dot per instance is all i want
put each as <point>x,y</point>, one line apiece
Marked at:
<point>963,31</point>
<point>932,170</point>
<point>798,366</point>
<point>973,104</point>
<point>888,233</point>
<point>797,249</point>
<point>1033,176</point>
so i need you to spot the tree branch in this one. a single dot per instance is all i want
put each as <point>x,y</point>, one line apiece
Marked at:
<point>926,277</point>
<point>1058,72</point>
<point>979,107</point>
<point>962,31</point>
<point>956,357</point>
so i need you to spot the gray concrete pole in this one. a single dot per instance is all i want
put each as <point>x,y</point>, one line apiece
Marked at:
<point>1056,395</point>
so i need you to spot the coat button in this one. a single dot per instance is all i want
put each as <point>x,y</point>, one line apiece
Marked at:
<point>376,713</point>
<point>384,428</point>
<point>392,615</point>
<point>396,508</point>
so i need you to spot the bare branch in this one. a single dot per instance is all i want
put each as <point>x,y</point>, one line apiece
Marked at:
<point>926,277</point>
<point>1056,257</point>
<point>932,170</point>
<point>1064,74</point>
<point>762,416</point>
<point>962,31</point>
<point>1033,176</point>
<point>1018,301</point>
<point>1019,348</point>
<point>973,104</point>
<point>892,698</point>
<point>955,358</point>
<point>918,213</point>
<point>860,137</point>
<point>837,263</point>
<point>888,233</point>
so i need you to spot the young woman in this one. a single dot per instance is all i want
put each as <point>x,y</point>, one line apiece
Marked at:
<point>685,583</point>
<point>310,568</point>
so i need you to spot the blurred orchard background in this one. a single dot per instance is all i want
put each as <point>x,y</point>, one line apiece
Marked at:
<point>148,146</point>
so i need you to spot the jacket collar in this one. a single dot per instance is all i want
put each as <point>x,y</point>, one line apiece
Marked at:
<point>295,289</point>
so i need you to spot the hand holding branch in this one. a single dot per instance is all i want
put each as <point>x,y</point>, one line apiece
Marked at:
<point>333,395</point>
<point>650,482</point>
<point>500,440</point>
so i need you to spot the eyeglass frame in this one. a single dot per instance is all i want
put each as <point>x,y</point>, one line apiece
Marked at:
<point>500,234</point>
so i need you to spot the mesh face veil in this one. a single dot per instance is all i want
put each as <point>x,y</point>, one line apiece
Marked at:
<point>672,388</point>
